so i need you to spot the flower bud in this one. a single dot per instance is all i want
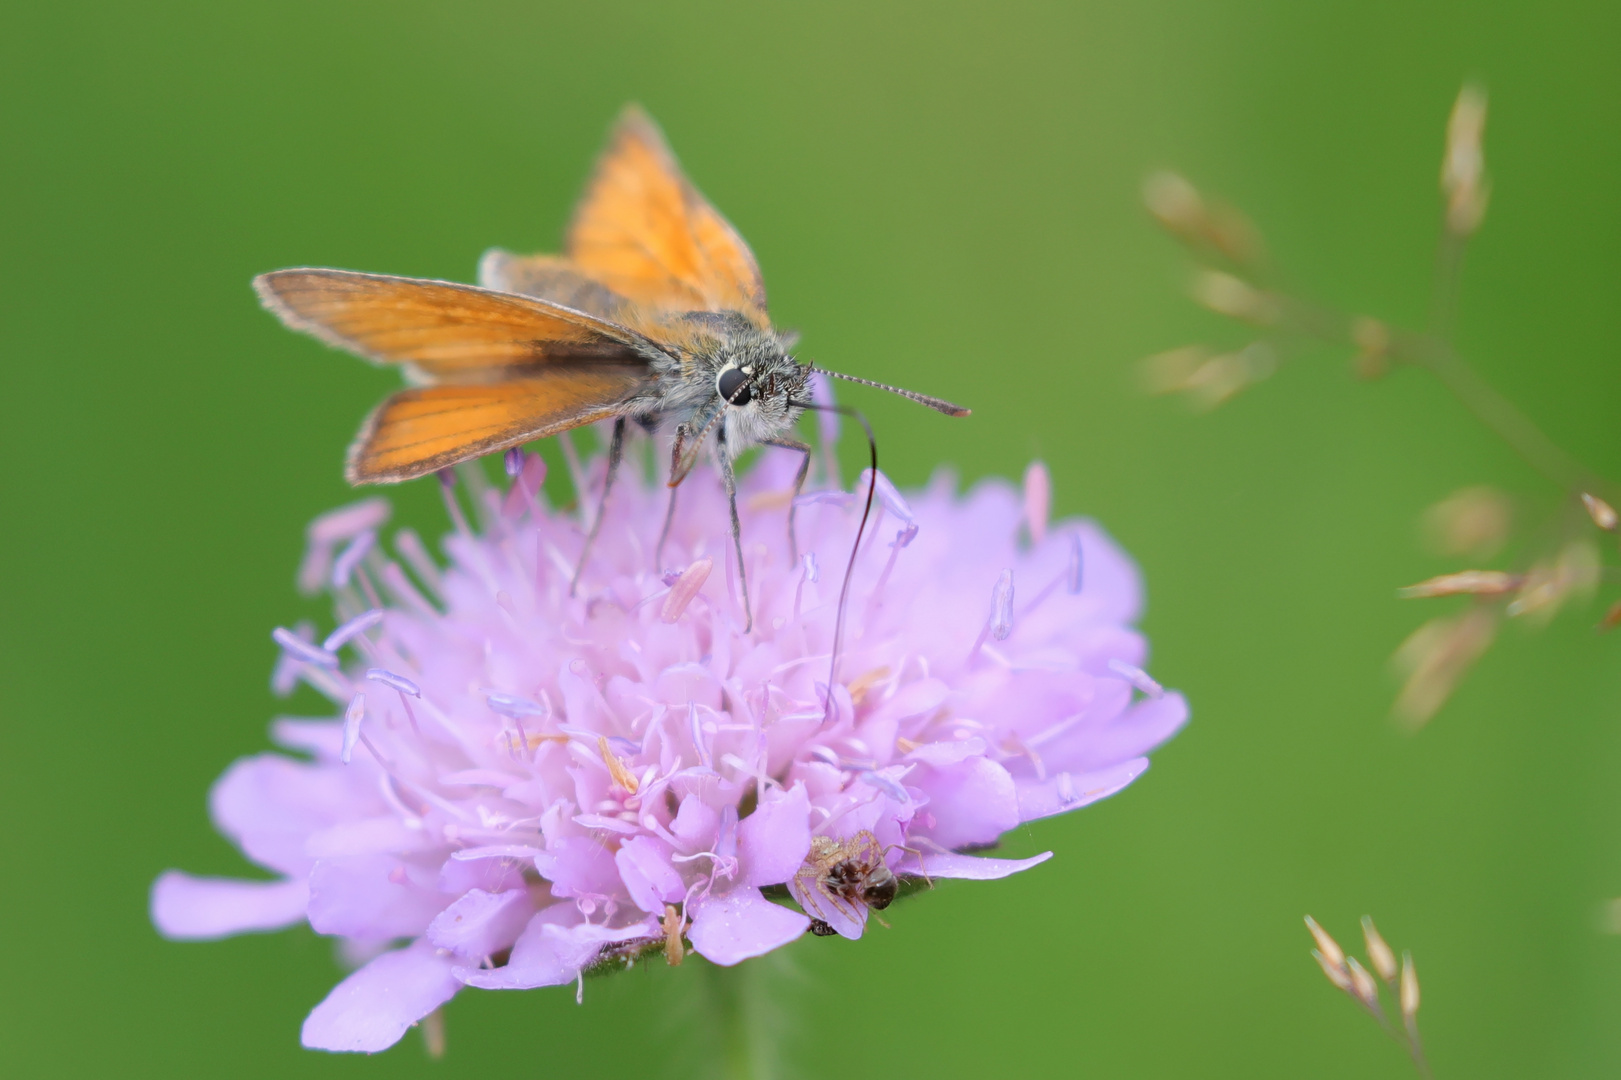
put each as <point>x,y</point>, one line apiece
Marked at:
<point>1362,984</point>
<point>1379,953</point>
<point>1602,513</point>
<point>1409,987</point>
<point>1330,948</point>
<point>1372,340</point>
<point>1434,657</point>
<point>1464,582</point>
<point>1176,204</point>
<point>1236,298</point>
<point>1336,974</point>
<point>1471,523</point>
<point>1463,167</point>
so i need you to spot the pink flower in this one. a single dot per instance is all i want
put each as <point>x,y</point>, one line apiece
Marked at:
<point>524,785</point>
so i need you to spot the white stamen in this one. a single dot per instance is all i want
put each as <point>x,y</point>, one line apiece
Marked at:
<point>685,588</point>
<point>348,521</point>
<point>351,629</point>
<point>886,785</point>
<point>1038,492</point>
<point>303,650</point>
<point>513,707</point>
<point>351,725</point>
<point>1002,607</point>
<point>1066,788</point>
<point>410,546</point>
<point>332,528</point>
<point>398,682</point>
<point>698,742</point>
<point>343,567</point>
<point>1137,677</point>
<point>887,494</point>
<point>1072,575</point>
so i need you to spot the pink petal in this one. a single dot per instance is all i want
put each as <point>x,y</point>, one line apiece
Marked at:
<point>481,923</point>
<point>947,752</point>
<point>371,1009</point>
<point>773,841</point>
<point>370,896</point>
<point>497,851</point>
<point>973,802</point>
<point>644,867</point>
<point>968,867</point>
<point>1067,791</point>
<point>197,909</point>
<point>695,823</point>
<point>365,836</point>
<point>270,804</point>
<point>730,929</point>
<point>579,866</point>
<point>1134,732</point>
<point>552,950</point>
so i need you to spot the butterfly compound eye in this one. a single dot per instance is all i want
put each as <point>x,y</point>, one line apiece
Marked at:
<point>734,386</point>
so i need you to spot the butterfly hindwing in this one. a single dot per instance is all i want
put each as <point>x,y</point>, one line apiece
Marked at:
<point>423,430</point>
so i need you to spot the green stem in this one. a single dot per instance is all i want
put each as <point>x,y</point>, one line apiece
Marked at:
<point>744,1020</point>
<point>1496,412</point>
<point>1501,416</point>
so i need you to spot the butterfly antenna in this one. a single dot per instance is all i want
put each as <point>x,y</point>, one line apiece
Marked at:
<point>937,404</point>
<point>855,548</point>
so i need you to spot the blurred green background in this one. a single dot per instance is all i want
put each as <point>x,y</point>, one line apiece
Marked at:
<point>942,195</point>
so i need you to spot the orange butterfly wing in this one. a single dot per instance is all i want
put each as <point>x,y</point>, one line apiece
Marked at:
<point>420,431</point>
<point>446,332</point>
<point>501,370</point>
<point>549,278</point>
<point>645,232</point>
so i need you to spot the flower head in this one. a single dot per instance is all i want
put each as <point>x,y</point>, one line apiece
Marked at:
<point>524,784</point>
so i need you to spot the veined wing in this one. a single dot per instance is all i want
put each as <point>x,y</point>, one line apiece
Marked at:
<point>423,430</point>
<point>443,332</point>
<point>549,278</point>
<point>645,232</point>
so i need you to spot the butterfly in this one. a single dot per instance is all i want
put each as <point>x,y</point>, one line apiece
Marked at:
<point>655,314</point>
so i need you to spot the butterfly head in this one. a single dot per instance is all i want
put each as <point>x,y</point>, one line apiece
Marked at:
<point>760,389</point>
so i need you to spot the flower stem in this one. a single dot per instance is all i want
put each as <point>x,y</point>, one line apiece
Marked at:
<point>1500,415</point>
<point>1497,413</point>
<point>745,1021</point>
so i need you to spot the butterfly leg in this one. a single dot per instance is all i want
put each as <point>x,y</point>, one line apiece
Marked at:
<point>799,485</point>
<point>669,515</point>
<point>616,451</point>
<point>729,476</point>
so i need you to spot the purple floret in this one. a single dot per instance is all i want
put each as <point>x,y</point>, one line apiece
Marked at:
<point>524,784</point>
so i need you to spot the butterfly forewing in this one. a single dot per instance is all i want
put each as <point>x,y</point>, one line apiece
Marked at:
<point>643,231</point>
<point>445,332</point>
<point>416,432</point>
<point>549,278</point>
